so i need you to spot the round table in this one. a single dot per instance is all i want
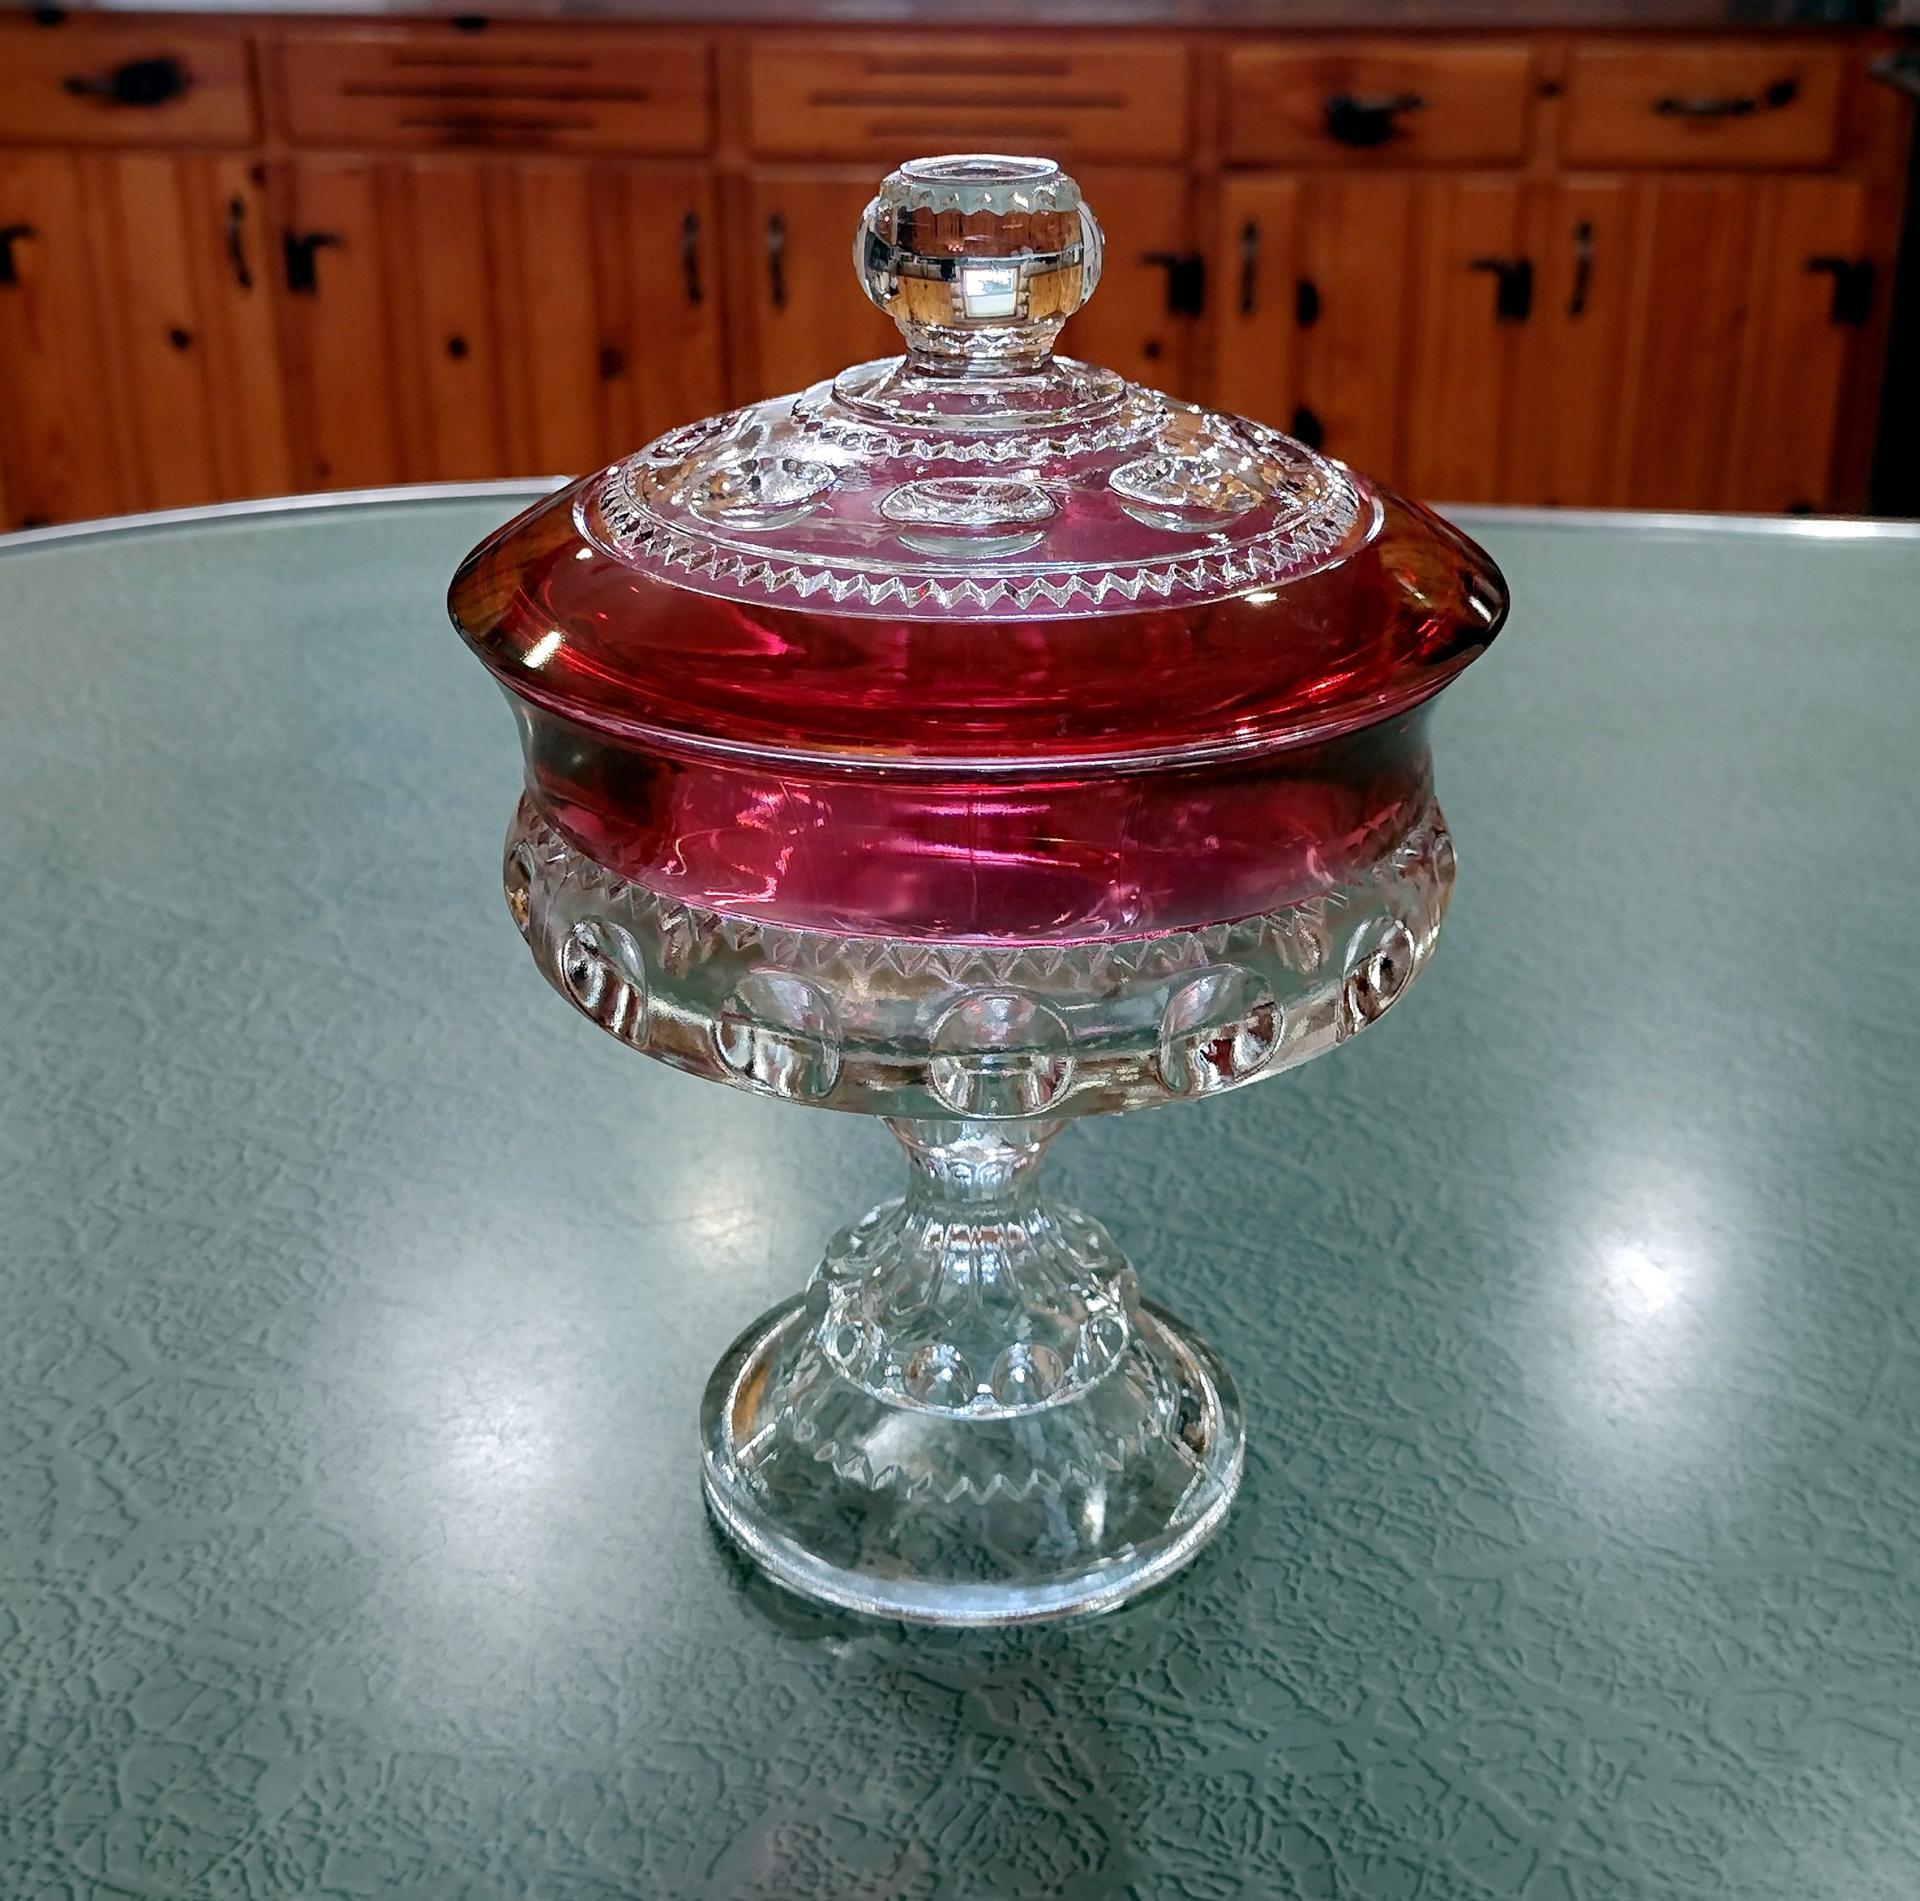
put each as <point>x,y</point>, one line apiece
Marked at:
<point>356,1299</point>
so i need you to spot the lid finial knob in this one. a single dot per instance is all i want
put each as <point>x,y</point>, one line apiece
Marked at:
<point>979,259</point>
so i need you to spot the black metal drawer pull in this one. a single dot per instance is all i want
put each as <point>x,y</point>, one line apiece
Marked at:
<point>1582,268</point>
<point>777,261</point>
<point>1365,122</point>
<point>1783,92</point>
<point>1852,287</point>
<point>1513,292</point>
<point>302,248</point>
<point>1249,267</point>
<point>690,258</point>
<point>140,82</point>
<point>1186,280</point>
<point>10,235</point>
<point>237,242</point>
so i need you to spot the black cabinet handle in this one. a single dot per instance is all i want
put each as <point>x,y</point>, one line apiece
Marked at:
<point>1582,268</point>
<point>690,258</point>
<point>1852,287</point>
<point>777,261</point>
<point>237,242</point>
<point>1306,427</point>
<point>1783,92</point>
<point>1368,121</point>
<point>1513,286</point>
<point>302,248</point>
<point>1186,280</point>
<point>1306,294</point>
<point>10,235</point>
<point>140,82</point>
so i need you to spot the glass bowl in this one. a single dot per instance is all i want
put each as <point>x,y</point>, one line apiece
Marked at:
<point>976,741</point>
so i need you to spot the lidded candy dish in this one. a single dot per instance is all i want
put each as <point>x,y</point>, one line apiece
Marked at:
<point>978,741</point>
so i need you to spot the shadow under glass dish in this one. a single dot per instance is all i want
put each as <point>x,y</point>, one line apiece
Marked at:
<point>977,741</point>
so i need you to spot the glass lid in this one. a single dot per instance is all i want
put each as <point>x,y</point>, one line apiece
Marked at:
<point>977,553</point>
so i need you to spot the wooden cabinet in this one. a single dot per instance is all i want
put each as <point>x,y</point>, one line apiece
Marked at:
<point>122,82</point>
<point>879,97</point>
<point>1473,301</point>
<point>58,436</point>
<point>1749,296</point>
<point>243,255</point>
<point>1704,104</point>
<point>1566,412</point>
<point>1355,270</point>
<point>1813,252</point>
<point>343,372</point>
<point>449,319</point>
<point>1364,102</point>
<point>1694,326</point>
<point>137,351</point>
<point>1260,298</point>
<point>803,315</point>
<point>1375,318</point>
<point>431,84</point>
<point>1661,342</point>
<point>188,262</point>
<point>1145,318</point>
<point>1696,277</point>
<point>611,307</point>
<point>445,307</point>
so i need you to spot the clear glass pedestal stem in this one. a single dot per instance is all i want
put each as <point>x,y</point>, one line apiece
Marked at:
<point>971,1417</point>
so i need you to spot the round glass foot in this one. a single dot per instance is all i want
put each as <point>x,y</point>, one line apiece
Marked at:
<point>971,1417</point>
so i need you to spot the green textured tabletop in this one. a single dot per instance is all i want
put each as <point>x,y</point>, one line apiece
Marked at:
<point>356,1299</point>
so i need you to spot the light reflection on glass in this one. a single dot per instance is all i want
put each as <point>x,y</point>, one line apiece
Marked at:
<point>989,290</point>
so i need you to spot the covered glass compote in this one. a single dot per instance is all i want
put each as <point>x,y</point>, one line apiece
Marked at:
<point>977,741</point>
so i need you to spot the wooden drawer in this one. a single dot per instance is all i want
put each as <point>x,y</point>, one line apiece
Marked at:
<point>1738,102</point>
<point>431,85</point>
<point>96,82</point>
<point>883,100</point>
<point>1388,102</point>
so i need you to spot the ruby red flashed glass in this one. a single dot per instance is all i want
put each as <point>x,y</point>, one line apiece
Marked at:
<point>1036,654</point>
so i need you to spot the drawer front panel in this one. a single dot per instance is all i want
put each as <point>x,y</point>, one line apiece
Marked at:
<point>87,82</point>
<point>1386,103</point>
<point>885,100</point>
<point>572,90</point>
<point>1717,104</point>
